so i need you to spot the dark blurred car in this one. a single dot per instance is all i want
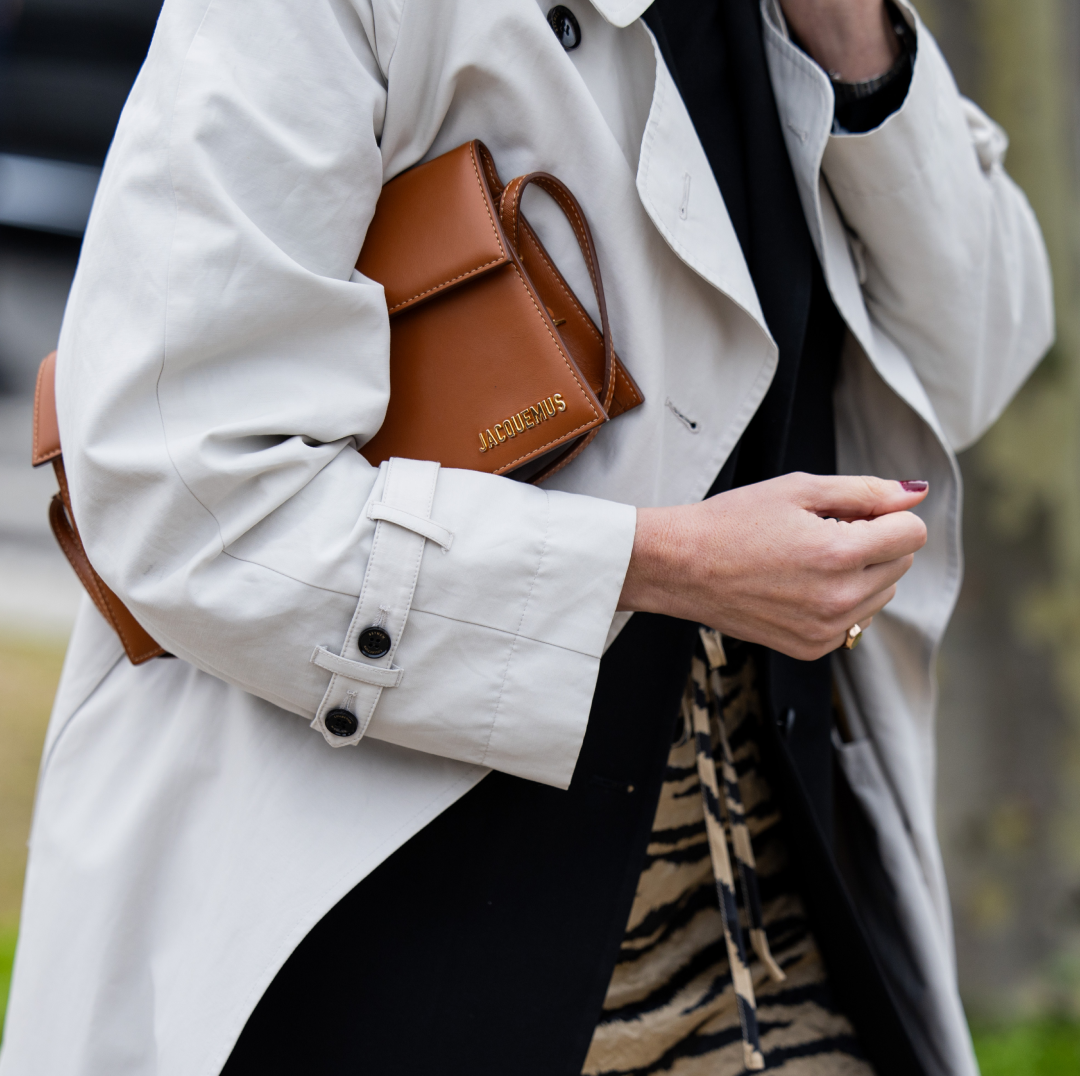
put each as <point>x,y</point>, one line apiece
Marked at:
<point>66,67</point>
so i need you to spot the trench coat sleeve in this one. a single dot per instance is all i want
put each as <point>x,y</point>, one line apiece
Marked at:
<point>949,252</point>
<point>220,366</point>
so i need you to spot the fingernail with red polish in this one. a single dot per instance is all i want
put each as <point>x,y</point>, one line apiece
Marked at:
<point>915,485</point>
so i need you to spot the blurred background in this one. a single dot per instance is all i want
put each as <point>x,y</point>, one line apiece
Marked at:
<point>1009,740</point>
<point>66,67</point>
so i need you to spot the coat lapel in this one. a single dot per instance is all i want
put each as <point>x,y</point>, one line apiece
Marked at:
<point>681,196</point>
<point>804,100</point>
<point>676,185</point>
<point>679,192</point>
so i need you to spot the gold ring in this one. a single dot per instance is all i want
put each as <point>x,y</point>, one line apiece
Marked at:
<point>854,634</point>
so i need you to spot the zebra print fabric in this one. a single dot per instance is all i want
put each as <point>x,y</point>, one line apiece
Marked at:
<point>674,1005</point>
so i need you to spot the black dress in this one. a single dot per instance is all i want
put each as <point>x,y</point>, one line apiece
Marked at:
<point>485,945</point>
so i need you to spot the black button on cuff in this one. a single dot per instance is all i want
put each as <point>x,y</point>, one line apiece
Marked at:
<point>374,642</point>
<point>563,21</point>
<point>341,722</point>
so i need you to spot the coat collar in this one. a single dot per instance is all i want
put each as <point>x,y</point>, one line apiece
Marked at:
<point>621,12</point>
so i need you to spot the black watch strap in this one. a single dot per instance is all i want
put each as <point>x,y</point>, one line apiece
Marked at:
<point>861,106</point>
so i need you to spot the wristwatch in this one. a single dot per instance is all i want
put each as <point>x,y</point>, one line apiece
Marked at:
<point>863,105</point>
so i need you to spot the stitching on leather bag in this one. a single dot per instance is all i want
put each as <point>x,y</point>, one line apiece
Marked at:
<point>626,385</point>
<point>570,209</point>
<point>558,343</point>
<point>496,183</point>
<point>487,204</point>
<point>513,193</point>
<point>470,272</point>
<point>37,417</point>
<point>530,238</point>
<point>453,279</point>
<point>493,176</point>
<point>39,458</point>
<point>562,354</point>
<point>566,202</point>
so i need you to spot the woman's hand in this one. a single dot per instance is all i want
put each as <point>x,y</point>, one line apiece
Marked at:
<point>851,39</point>
<point>791,563</point>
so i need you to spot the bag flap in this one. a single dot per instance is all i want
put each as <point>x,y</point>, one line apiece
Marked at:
<point>46,429</point>
<point>435,226</point>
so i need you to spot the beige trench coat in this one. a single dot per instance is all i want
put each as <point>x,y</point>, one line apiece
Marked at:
<point>220,365</point>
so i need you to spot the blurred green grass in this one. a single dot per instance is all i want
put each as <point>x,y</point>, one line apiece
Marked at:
<point>7,954</point>
<point>1038,1048</point>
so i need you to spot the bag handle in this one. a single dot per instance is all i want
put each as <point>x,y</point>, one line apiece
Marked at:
<point>512,221</point>
<point>137,642</point>
<point>510,217</point>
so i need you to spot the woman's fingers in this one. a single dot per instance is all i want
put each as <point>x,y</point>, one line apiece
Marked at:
<point>857,497</point>
<point>867,610</point>
<point>791,563</point>
<point>879,577</point>
<point>863,615</point>
<point>835,633</point>
<point>881,540</point>
<point>873,589</point>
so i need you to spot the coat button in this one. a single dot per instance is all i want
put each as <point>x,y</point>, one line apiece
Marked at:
<point>564,23</point>
<point>374,642</point>
<point>341,722</point>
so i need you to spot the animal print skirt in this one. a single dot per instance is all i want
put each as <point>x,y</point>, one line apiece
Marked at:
<point>674,1005</point>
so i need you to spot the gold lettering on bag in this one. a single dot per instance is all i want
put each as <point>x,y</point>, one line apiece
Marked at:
<point>525,419</point>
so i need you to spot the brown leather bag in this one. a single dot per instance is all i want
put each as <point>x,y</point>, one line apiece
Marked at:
<point>46,449</point>
<point>494,363</point>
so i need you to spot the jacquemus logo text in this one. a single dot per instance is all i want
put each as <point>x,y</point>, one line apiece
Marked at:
<point>532,416</point>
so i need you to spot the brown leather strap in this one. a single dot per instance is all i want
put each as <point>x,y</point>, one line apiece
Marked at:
<point>510,216</point>
<point>46,444</point>
<point>513,225</point>
<point>551,286</point>
<point>138,645</point>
